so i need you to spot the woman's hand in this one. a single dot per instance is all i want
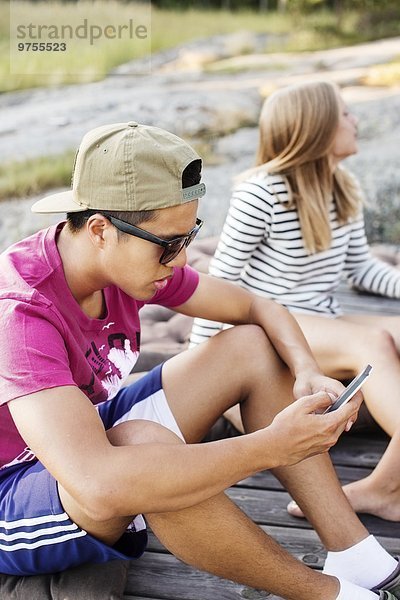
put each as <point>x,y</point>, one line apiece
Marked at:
<point>311,383</point>
<point>308,383</point>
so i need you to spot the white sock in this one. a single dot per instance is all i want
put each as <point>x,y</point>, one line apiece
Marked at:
<point>365,564</point>
<point>349,591</point>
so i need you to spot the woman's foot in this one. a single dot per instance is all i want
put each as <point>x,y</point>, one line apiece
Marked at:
<point>365,496</point>
<point>294,510</point>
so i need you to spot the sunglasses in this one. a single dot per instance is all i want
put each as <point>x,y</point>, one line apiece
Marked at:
<point>171,247</point>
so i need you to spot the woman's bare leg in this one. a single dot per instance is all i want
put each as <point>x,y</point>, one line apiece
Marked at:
<point>343,347</point>
<point>390,324</point>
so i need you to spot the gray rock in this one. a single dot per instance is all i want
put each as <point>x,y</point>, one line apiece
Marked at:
<point>220,111</point>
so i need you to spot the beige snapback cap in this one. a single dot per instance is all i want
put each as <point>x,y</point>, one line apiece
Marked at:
<point>126,167</point>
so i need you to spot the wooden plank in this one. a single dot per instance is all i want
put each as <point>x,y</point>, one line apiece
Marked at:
<point>352,301</point>
<point>164,577</point>
<point>130,597</point>
<point>350,307</point>
<point>159,576</point>
<point>156,578</point>
<point>365,299</point>
<point>267,481</point>
<point>368,302</point>
<point>357,450</point>
<point>269,508</point>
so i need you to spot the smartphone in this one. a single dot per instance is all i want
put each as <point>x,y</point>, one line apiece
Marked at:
<point>350,390</point>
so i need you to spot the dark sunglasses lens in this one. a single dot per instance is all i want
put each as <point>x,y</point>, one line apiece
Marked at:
<point>172,251</point>
<point>177,245</point>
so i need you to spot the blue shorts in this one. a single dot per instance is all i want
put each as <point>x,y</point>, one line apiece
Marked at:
<point>36,535</point>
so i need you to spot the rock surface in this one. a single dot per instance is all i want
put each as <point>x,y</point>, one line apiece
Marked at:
<point>210,93</point>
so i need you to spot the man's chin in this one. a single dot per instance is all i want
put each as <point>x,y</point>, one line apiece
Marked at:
<point>142,294</point>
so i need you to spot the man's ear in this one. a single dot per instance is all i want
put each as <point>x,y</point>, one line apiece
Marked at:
<point>100,230</point>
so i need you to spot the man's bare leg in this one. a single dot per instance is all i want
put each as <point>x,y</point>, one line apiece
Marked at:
<point>239,365</point>
<point>214,534</point>
<point>217,537</point>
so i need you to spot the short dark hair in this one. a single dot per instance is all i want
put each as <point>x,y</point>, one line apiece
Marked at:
<point>76,220</point>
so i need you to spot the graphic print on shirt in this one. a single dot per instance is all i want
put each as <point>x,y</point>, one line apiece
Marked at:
<point>111,363</point>
<point>121,359</point>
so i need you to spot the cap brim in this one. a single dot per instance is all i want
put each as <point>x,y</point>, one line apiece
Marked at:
<point>62,202</point>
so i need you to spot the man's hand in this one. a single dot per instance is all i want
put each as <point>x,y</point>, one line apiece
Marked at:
<point>302,430</point>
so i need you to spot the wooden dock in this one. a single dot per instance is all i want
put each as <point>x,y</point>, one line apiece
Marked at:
<point>160,576</point>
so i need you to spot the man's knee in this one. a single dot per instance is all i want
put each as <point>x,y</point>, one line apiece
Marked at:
<point>95,503</point>
<point>140,431</point>
<point>246,340</point>
<point>253,349</point>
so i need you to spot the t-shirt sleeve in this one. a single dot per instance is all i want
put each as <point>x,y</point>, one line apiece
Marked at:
<point>179,289</point>
<point>33,355</point>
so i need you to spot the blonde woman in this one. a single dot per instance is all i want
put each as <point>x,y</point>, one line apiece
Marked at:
<point>293,230</point>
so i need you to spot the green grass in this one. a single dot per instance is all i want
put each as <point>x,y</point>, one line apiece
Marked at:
<point>292,32</point>
<point>90,63</point>
<point>30,177</point>
<point>82,62</point>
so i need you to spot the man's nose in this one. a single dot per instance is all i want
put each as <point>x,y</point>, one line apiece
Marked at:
<point>180,260</point>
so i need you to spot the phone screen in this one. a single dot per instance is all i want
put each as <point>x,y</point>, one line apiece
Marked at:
<point>350,390</point>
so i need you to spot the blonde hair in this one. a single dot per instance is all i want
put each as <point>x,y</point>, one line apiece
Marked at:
<point>297,129</point>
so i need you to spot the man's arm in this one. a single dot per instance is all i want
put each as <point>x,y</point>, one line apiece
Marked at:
<point>219,300</point>
<point>63,429</point>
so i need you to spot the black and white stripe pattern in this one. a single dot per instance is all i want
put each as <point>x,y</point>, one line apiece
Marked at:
<point>261,249</point>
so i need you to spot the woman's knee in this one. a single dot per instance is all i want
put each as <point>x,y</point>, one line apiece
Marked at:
<point>380,343</point>
<point>363,343</point>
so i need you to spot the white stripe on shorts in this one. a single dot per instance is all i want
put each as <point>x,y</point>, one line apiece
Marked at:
<point>30,535</point>
<point>45,542</point>
<point>29,522</point>
<point>49,535</point>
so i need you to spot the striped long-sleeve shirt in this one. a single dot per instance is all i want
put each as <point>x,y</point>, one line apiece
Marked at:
<point>261,248</point>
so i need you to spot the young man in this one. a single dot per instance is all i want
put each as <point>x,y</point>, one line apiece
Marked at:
<point>82,458</point>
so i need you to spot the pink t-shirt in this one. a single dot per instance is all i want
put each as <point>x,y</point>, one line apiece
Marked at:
<point>47,341</point>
